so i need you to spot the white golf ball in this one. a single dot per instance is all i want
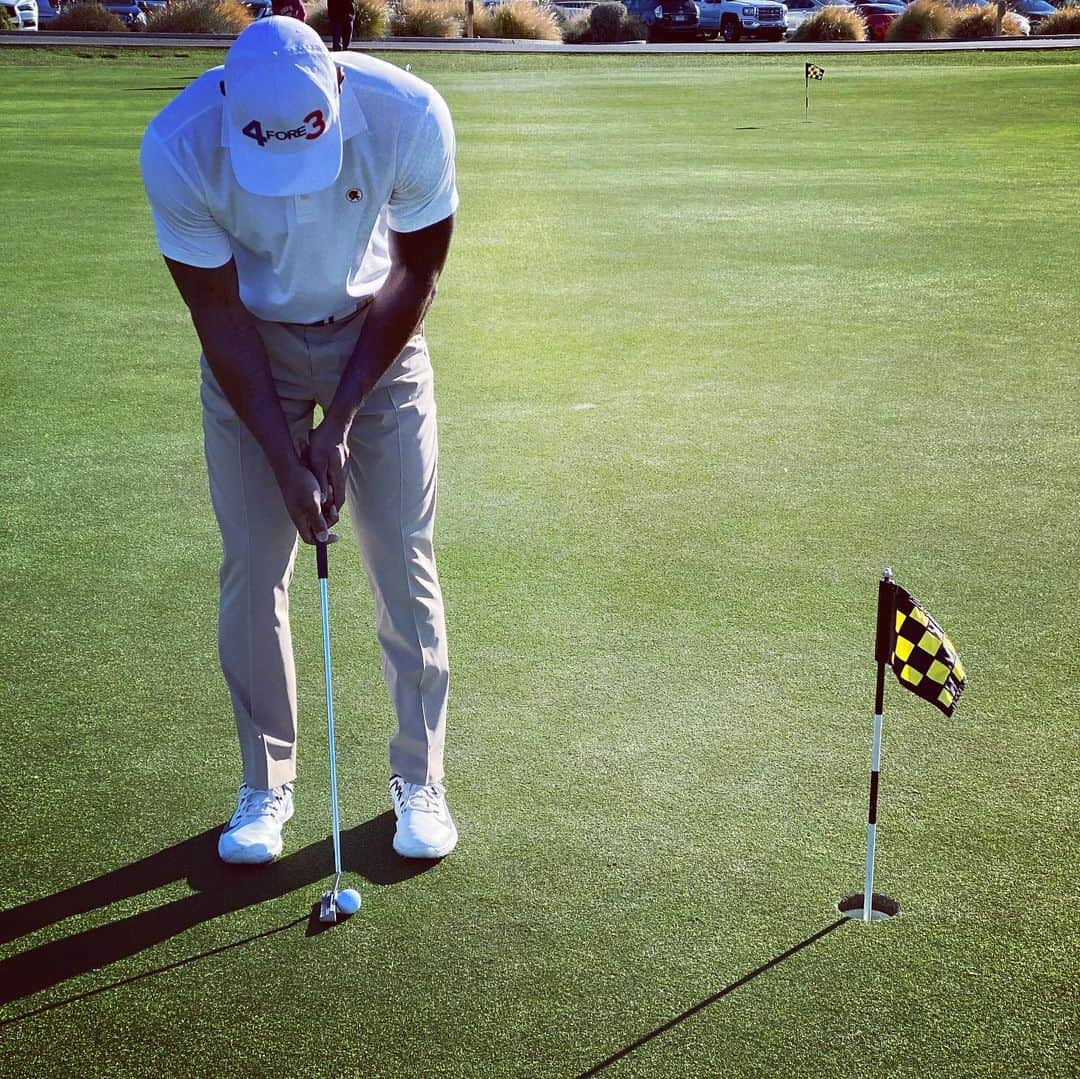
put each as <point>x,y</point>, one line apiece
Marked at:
<point>348,901</point>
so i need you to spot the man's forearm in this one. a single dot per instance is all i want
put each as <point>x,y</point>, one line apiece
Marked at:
<point>237,357</point>
<point>391,320</point>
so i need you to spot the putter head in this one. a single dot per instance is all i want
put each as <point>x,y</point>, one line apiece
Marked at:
<point>328,907</point>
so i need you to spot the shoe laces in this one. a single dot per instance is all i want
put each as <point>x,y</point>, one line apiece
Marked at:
<point>260,803</point>
<point>426,799</point>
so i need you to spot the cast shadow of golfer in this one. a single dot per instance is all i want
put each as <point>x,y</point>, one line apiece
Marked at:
<point>218,889</point>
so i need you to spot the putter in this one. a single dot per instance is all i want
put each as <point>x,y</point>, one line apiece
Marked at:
<point>328,910</point>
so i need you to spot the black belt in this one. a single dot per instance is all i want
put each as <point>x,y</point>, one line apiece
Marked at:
<point>334,319</point>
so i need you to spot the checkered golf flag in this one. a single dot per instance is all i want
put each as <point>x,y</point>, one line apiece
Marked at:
<point>924,659</point>
<point>814,72</point>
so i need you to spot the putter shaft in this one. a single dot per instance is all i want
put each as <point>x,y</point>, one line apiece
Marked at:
<point>328,906</point>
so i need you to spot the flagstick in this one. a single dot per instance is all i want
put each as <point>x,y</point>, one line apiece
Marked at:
<point>806,114</point>
<point>886,619</point>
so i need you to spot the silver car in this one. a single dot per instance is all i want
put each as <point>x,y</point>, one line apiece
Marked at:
<point>22,14</point>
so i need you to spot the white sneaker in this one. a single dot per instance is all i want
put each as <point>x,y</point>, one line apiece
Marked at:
<point>253,836</point>
<point>425,828</point>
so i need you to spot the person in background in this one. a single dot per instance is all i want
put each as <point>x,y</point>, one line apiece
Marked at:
<point>342,13</point>
<point>293,8</point>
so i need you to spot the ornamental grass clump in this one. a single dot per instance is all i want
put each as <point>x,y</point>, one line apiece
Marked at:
<point>426,18</point>
<point>575,30</point>
<point>200,17</point>
<point>318,19</point>
<point>518,19</point>
<point>372,19</point>
<point>923,20</point>
<point>832,23</point>
<point>88,15</point>
<point>980,20</point>
<point>481,19</point>
<point>1066,20</point>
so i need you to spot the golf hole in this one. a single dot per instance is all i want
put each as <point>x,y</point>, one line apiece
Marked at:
<point>882,907</point>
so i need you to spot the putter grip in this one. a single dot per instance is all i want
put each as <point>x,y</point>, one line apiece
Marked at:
<point>320,560</point>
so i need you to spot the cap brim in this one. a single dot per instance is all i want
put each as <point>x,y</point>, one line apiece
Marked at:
<point>311,169</point>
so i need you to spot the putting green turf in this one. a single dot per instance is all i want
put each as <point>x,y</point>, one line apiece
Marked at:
<point>703,369</point>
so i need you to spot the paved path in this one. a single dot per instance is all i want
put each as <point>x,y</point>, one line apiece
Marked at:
<point>209,41</point>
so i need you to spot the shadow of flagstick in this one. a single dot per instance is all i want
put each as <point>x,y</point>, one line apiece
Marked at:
<point>775,961</point>
<point>220,889</point>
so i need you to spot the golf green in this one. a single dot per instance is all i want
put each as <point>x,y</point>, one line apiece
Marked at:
<point>703,368</point>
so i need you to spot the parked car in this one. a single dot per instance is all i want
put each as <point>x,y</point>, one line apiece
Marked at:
<point>666,19</point>
<point>22,14</point>
<point>798,11</point>
<point>569,8</point>
<point>733,20</point>
<point>1032,10</point>
<point>878,17</point>
<point>259,9</point>
<point>47,11</point>
<point>1025,26</point>
<point>131,12</point>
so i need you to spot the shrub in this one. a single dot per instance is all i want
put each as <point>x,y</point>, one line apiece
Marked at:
<point>318,19</point>
<point>371,21</point>
<point>980,20</point>
<point>832,23</point>
<point>1065,20</point>
<point>923,20</point>
<point>88,15</point>
<point>481,20</point>
<point>575,30</point>
<point>5,22</point>
<point>605,20</point>
<point>200,17</point>
<point>519,19</point>
<point>579,29</point>
<point>426,18</point>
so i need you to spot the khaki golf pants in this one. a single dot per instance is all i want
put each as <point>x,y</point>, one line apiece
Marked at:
<point>391,498</point>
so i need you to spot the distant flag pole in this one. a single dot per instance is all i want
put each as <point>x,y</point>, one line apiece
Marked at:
<point>925,661</point>
<point>812,72</point>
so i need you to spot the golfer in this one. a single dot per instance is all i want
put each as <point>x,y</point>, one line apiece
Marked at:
<point>304,205</point>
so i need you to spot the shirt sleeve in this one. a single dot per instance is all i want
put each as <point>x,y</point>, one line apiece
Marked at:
<point>185,230</point>
<point>425,189</point>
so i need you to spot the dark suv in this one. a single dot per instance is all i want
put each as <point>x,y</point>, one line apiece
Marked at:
<point>671,20</point>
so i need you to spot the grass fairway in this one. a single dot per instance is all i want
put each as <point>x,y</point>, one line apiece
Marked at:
<point>703,370</point>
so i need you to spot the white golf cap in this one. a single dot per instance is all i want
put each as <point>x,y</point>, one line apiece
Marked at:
<point>282,114</point>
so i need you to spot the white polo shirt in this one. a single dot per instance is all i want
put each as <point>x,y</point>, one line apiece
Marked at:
<point>304,258</point>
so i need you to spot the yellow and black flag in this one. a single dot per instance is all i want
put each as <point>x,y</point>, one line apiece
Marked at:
<point>814,72</point>
<point>923,658</point>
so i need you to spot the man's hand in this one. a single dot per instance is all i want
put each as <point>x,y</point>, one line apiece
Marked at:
<point>302,496</point>
<point>326,455</point>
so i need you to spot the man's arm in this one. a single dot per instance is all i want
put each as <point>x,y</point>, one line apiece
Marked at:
<point>236,355</point>
<point>416,260</point>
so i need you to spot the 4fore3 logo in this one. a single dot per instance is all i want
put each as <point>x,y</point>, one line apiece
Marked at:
<point>254,130</point>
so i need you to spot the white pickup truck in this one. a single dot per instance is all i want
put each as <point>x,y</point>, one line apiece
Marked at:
<point>733,21</point>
